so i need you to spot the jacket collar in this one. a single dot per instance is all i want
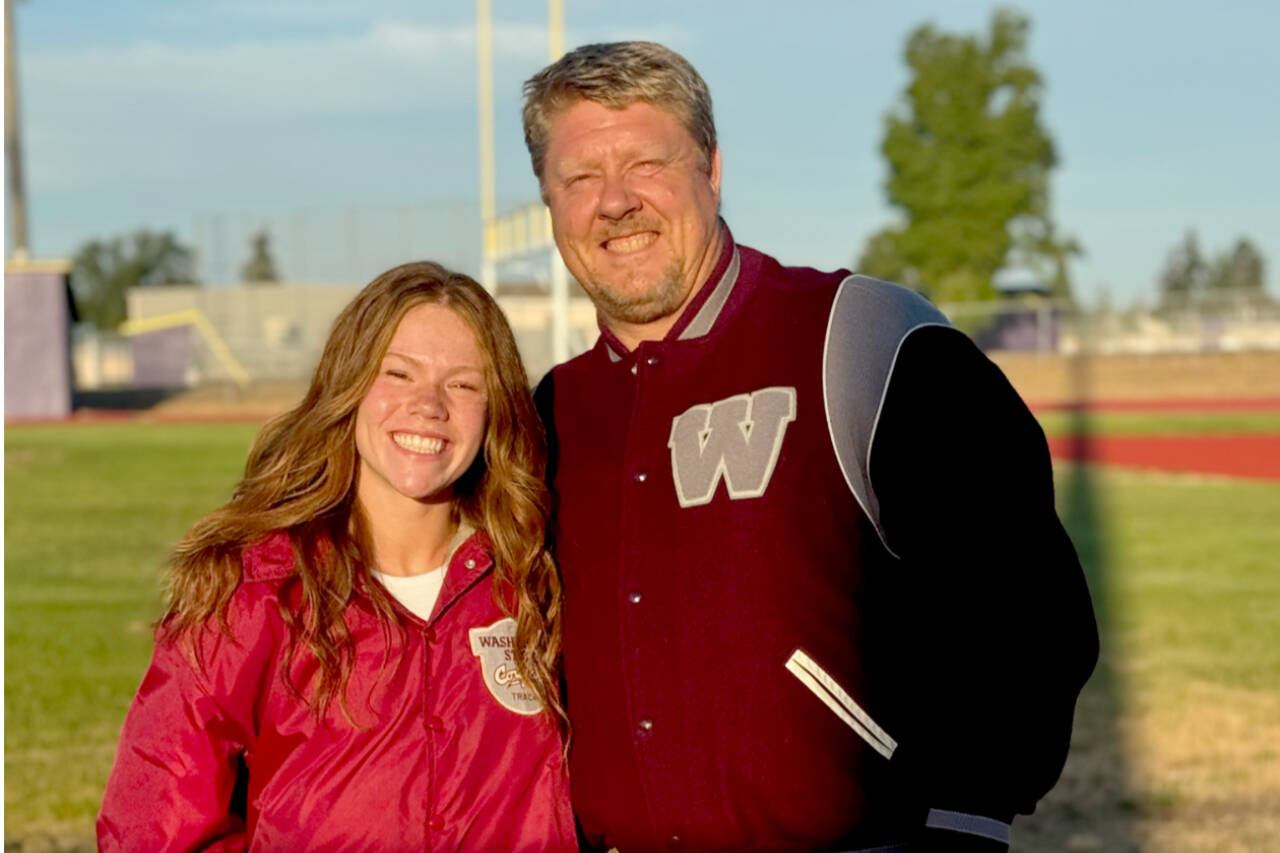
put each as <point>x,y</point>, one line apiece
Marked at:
<point>470,559</point>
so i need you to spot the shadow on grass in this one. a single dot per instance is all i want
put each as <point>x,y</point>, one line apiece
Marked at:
<point>1092,806</point>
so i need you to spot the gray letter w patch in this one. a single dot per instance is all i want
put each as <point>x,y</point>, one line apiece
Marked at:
<point>738,438</point>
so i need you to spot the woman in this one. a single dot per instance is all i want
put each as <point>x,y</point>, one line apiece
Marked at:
<point>360,648</point>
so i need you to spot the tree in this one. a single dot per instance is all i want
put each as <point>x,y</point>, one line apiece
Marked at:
<point>260,266</point>
<point>1182,281</point>
<point>969,165</point>
<point>102,271</point>
<point>1243,271</point>
<point>1230,279</point>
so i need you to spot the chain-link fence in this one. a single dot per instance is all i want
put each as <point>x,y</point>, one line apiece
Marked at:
<point>345,245</point>
<point>196,335</point>
<point>1044,325</point>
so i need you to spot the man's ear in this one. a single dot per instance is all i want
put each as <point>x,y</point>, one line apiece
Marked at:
<point>714,174</point>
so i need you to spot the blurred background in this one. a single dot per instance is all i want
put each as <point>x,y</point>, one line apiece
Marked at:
<point>1090,190</point>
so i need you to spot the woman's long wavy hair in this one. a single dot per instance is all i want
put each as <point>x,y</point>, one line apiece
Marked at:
<point>301,477</point>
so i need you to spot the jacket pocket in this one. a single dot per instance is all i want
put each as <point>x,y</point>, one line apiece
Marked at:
<point>835,697</point>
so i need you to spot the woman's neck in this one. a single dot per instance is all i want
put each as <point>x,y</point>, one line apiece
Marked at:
<point>410,537</point>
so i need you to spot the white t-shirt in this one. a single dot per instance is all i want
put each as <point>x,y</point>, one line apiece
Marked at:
<point>419,592</point>
<point>416,592</point>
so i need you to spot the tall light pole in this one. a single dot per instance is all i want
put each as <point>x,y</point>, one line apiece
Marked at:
<point>498,240</point>
<point>13,141</point>
<point>484,102</point>
<point>559,275</point>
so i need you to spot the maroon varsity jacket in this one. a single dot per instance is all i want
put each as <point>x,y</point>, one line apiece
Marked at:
<point>816,593</point>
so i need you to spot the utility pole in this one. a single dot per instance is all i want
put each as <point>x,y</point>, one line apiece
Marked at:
<point>13,141</point>
<point>559,275</point>
<point>484,102</point>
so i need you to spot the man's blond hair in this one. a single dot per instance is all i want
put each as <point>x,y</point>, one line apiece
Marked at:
<point>616,75</point>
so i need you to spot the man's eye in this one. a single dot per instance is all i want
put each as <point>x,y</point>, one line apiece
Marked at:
<point>396,373</point>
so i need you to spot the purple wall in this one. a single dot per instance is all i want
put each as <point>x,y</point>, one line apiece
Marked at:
<point>37,344</point>
<point>161,358</point>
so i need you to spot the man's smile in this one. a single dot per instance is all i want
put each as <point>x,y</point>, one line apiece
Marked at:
<point>630,242</point>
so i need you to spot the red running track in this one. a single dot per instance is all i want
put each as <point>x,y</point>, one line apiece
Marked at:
<point>1256,456</point>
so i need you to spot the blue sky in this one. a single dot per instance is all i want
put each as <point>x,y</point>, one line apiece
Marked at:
<point>164,113</point>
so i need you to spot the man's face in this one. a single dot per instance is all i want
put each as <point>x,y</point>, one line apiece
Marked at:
<point>633,209</point>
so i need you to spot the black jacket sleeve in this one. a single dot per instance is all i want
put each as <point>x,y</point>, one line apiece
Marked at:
<point>1002,630</point>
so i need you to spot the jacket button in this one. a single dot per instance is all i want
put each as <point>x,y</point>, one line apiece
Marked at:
<point>641,476</point>
<point>435,723</point>
<point>675,842</point>
<point>646,725</point>
<point>634,598</point>
<point>470,563</point>
<point>436,824</point>
<point>431,634</point>
<point>653,360</point>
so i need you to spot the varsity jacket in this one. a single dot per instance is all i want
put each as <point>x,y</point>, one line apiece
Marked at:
<point>817,596</point>
<point>449,750</point>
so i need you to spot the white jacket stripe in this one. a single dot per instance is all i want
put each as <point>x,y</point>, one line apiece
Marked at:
<point>826,688</point>
<point>969,823</point>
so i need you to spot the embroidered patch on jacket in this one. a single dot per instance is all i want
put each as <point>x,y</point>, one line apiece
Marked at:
<point>737,439</point>
<point>496,648</point>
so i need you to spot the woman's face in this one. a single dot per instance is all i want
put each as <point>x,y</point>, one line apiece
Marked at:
<point>423,420</point>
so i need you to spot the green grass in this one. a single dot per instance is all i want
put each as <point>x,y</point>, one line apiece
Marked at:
<point>1190,567</point>
<point>90,513</point>
<point>1161,423</point>
<point>1183,573</point>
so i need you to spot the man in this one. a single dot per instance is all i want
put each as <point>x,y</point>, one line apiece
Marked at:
<point>816,593</point>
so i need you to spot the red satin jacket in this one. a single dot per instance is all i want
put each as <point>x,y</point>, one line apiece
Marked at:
<point>450,751</point>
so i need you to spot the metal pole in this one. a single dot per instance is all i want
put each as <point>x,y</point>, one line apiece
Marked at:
<point>13,141</point>
<point>484,102</point>
<point>559,275</point>
<point>555,28</point>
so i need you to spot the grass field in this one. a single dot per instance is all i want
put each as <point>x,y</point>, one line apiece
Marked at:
<point>1177,737</point>
<point>1161,423</point>
<point>89,514</point>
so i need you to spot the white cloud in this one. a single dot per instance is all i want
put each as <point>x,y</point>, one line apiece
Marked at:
<point>391,66</point>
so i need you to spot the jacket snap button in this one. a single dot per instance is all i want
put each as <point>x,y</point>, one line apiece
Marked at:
<point>435,723</point>
<point>653,360</point>
<point>634,598</point>
<point>436,824</point>
<point>646,725</point>
<point>641,476</point>
<point>470,563</point>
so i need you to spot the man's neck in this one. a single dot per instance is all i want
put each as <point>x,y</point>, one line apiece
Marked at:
<point>631,335</point>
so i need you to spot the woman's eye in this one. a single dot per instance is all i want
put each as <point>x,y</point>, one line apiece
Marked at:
<point>395,373</point>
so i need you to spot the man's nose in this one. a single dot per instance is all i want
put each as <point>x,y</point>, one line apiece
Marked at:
<point>617,200</point>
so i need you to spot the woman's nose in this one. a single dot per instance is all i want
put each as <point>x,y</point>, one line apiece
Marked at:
<point>428,400</point>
